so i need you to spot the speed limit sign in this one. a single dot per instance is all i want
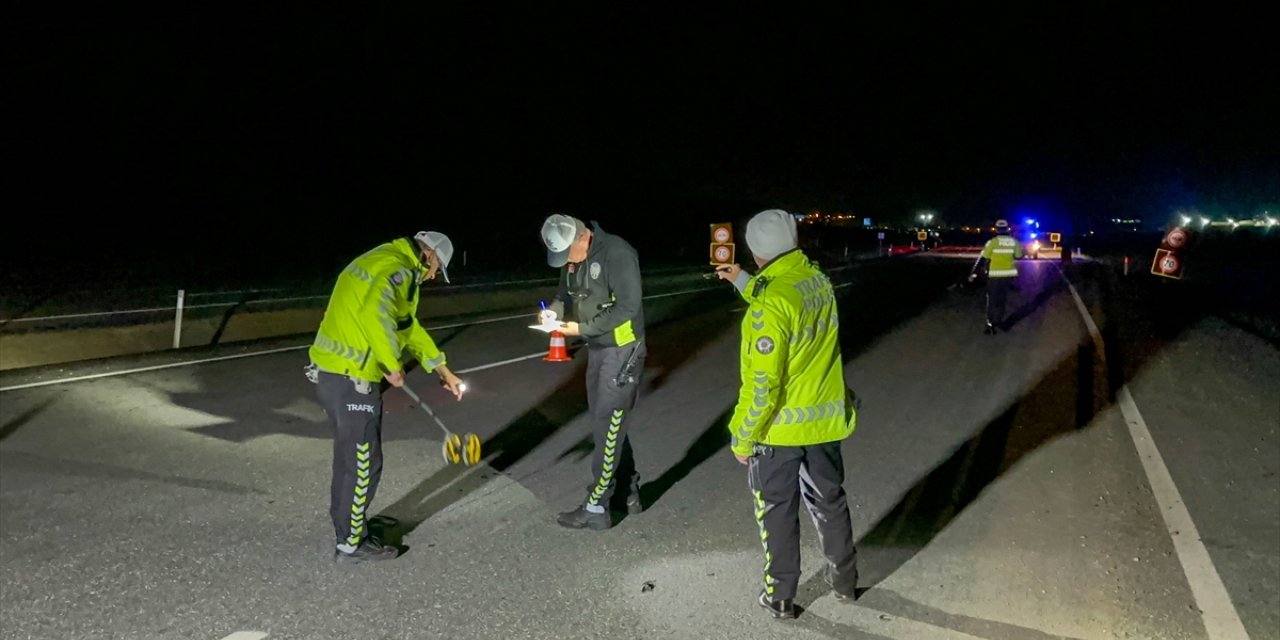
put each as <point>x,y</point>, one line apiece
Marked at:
<point>721,253</point>
<point>722,233</point>
<point>1167,264</point>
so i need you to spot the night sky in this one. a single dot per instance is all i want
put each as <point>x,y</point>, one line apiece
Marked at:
<point>219,134</point>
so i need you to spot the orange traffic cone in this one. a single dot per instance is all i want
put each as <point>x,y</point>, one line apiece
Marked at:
<point>557,352</point>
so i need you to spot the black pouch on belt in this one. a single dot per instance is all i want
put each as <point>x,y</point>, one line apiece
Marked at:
<point>627,374</point>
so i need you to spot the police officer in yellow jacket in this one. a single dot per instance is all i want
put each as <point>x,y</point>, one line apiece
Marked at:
<point>999,256</point>
<point>793,410</point>
<point>369,326</point>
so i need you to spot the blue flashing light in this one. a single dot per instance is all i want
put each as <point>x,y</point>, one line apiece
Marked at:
<point>1033,235</point>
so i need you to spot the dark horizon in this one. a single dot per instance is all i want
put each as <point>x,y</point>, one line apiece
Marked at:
<point>210,134</point>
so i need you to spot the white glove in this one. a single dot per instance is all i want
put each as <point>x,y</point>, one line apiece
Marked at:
<point>547,316</point>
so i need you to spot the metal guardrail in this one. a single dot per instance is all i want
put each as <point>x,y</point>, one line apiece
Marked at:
<point>244,298</point>
<point>183,296</point>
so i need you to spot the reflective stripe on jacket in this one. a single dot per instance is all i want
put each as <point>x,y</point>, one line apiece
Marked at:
<point>372,317</point>
<point>793,391</point>
<point>1001,251</point>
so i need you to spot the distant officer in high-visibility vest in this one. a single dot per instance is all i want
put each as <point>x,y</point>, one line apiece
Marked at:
<point>371,323</point>
<point>998,257</point>
<point>793,411</point>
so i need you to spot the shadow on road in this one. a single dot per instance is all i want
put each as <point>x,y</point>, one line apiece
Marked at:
<point>1044,413</point>
<point>858,330</point>
<point>23,418</point>
<point>526,432</point>
<point>714,438</point>
<point>1064,399</point>
<point>35,463</point>
<point>1031,305</point>
<point>516,440</point>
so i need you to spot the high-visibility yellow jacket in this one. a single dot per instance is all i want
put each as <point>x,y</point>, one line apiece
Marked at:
<point>1001,251</point>
<point>793,391</point>
<point>372,317</point>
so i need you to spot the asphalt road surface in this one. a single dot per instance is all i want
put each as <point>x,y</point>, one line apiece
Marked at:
<point>1001,487</point>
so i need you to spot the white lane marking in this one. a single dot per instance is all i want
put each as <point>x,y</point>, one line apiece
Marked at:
<point>475,322</point>
<point>187,363</point>
<point>158,367</point>
<point>1084,311</point>
<point>246,635</point>
<point>680,293</point>
<point>1219,615</point>
<point>491,365</point>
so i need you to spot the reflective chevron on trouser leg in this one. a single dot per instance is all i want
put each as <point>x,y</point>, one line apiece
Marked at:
<point>608,458</point>
<point>774,477</point>
<point>769,581</point>
<point>609,405</point>
<point>356,414</point>
<point>361,498</point>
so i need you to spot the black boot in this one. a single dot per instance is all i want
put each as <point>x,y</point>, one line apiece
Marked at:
<point>370,549</point>
<point>634,504</point>
<point>846,598</point>
<point>580,518</point>
<point>781,609</point>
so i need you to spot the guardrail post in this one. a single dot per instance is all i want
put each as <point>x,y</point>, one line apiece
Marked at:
<point>177,320</point>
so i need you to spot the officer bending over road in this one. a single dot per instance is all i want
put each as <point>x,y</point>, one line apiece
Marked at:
<point>369,324</point>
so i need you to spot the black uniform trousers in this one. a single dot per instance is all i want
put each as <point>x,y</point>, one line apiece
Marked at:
<point>997,299</point>
<point>780,477</point>
<point>608,403</point>
<point>355,411</point>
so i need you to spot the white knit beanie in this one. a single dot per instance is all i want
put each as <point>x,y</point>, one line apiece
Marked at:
<point>771,233</point>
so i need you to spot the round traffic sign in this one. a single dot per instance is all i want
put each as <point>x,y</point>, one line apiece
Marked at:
<point>1176,238</point>
<point>722,254</point>
<point>721,234</point>
<point>1169,264</point>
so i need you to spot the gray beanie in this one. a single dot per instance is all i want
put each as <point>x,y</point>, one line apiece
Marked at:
<point>771,233</point>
